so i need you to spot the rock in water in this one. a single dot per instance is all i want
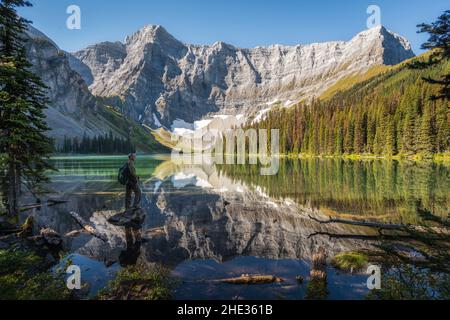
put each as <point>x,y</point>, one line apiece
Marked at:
<point>51,237</point>
<point>131,218</point>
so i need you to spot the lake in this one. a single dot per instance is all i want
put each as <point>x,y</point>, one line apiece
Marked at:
<point>220,221</point>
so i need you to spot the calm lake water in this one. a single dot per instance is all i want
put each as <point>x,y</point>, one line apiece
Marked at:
<point>213,222</point>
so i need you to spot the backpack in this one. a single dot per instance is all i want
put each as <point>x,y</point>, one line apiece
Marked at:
<point>124,174</point>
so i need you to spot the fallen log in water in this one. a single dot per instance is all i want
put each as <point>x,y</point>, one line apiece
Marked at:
<point>155,232</point>
<point>362,223</point>
<point>87,226</point>
<point>383,226</point>
<point>74,233</point>
<point>49,203</point>
<point>252,279</point>
<point>54,202</point>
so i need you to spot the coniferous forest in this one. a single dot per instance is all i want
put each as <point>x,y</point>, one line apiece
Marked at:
<point>392,113</point>
<point>103,144</point>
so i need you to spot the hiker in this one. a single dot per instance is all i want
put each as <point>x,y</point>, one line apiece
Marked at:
<point>132,184</point>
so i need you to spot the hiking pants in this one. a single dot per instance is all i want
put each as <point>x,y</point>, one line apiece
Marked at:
<point>133,187</point>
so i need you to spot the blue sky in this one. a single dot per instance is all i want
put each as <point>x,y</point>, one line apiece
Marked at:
<point>243,23</point>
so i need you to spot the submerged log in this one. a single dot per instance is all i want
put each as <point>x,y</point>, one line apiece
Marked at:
<point>74,233</point>
<point>252,279</point>
<point>54,202</point>
<point>87,226</point>
<point>7,229</point>
<point>155,232</point>
<point>378,225</point>
<point>388,226</point>
<point>319,264</point>
<point>50,203</point>
<point>317,286</point>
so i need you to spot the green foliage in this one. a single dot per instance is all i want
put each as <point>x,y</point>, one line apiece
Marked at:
<point>24,145</point>
<point>350,261</point>
<point>141,138</point>
<point>141,282</point>
<point>439,42</point>
<point>389,114</point>
<point>316,289</point>
<point>104,144</point>
<point>22,278</point>
<point>406,282</point>
<point>393,191</point>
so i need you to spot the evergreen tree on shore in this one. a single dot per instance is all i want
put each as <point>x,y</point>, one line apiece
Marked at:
<point>24,145</point>
<point>390,114</point>
<point>439,41</point>
<point>102,144</point>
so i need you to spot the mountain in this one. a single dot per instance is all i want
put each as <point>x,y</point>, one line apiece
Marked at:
<point>158,79</point>
<point>73,111</point>
<point>71,101</point>
<point>387,111</point>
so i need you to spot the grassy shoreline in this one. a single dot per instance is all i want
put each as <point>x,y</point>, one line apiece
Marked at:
<point>439,158</point>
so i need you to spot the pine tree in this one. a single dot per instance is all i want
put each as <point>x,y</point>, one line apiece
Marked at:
<point>425,142</point>
<point>23,143</point>
<point>360,134</point>
<point>339,139</point>
<point>439,40</point>
<point>409,131</point>
<point>349,138</point>
<point>390,147</point>
<point>371,128</point>
<point>442,127</point>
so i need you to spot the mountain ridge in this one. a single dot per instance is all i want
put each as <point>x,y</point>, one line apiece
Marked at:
<point>160,79</point>
<point>73,112</point>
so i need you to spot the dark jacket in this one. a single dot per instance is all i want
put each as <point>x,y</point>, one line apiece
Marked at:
<point>133,178</point>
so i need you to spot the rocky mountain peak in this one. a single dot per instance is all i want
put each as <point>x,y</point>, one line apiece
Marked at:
<point>393,47</point>
<point>152,34</point>
<point>161,78</point>
<point>72,111</point>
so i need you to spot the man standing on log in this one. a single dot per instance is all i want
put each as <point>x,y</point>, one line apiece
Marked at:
<point>132,185</point>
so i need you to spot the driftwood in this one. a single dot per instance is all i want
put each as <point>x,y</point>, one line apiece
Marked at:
<point>74,233</point>
<point>252,279</point>
<point>362,236</point>
<point>9,230</point>
<point>49,203</point>
<point>87,226</point>
<point>54,202</point>
<point>406,231</point>
<point>319,265</point>
<point>386,226</point>
<point>155,232</point>
<point>317,285</point>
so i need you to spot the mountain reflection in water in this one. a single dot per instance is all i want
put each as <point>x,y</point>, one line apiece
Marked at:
<point>213,222</point>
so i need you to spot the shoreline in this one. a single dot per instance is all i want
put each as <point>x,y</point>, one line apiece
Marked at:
<point>436,158</point>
